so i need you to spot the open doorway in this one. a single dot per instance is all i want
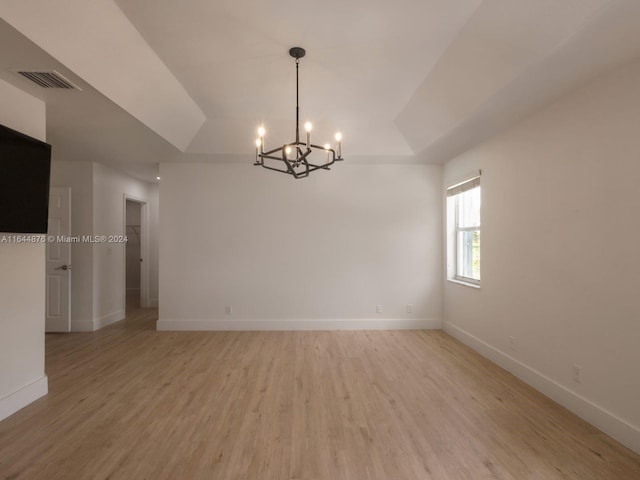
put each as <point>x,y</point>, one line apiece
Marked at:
<point>133,255</point>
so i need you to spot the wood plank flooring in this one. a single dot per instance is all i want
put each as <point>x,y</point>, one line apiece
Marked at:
<point>128,402</point>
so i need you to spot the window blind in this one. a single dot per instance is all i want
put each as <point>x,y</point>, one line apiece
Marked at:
<point>464,186</point>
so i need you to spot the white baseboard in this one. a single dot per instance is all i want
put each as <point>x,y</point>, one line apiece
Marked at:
<point>23,397</point>
<point>301,324</point>
<point>609,423</point>
<point>108,319</point>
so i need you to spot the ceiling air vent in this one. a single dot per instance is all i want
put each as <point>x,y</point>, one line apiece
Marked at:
<point>51,79</point>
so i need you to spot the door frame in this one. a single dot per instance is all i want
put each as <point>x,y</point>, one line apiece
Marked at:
<point>144,250</point>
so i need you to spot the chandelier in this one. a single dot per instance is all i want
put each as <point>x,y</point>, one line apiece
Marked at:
<point>294,157</point>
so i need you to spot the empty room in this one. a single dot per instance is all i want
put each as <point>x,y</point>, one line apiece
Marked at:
<point>297,240</point>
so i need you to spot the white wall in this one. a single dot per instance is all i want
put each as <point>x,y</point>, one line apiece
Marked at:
<point>22,294</point>
<point>320,252</point>
<point>79,176</point>
<point>109,189</point>
<point>560,261</point>
<point>154,226</point>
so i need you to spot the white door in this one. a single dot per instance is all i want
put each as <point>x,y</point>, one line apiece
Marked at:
<point>58,308</point>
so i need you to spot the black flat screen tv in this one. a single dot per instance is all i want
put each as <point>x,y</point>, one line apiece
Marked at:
<point>25,167</point>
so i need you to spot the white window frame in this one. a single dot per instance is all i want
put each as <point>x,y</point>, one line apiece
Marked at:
<point>453,254</point>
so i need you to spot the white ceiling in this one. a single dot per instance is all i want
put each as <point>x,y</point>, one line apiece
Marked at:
<point>405,81</point>
<point>83,125</point>
<point>364,59</point>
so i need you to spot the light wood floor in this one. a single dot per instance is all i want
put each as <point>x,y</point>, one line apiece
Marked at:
<point>131,403</point>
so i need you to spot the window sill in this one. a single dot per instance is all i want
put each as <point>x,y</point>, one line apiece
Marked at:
<point>462,282</point>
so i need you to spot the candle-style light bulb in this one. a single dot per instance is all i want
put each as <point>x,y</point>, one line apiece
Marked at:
<point>287,152</point>
<point>258,144</point>
<point>308,127</point>
<point>339,140</point>
<point>327,149</point>
<point>261,132</point>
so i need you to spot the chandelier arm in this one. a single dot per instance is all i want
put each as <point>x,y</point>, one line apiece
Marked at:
<point>304,174</point>
<point>316,167</point>
<point>304,156</point>
<point>287,162</point>
<point>313,168</point>
<point>306,164</point>
<point>271,157</point>
<point>333,154</point>
<point>310,168</point>
<point>278,149</point>
<point>276,169</point>
<point>320,147</point>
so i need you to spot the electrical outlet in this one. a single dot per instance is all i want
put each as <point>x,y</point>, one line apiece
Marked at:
<point>228,310</point>
<point>409,308</point>
<point>512,343</point>
<point>576,370</point>
<point>378,308</point>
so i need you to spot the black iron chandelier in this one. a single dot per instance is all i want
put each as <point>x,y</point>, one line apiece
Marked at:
<point>293,158</point>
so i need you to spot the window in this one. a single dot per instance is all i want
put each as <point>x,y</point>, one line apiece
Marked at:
<point>463,220</point>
